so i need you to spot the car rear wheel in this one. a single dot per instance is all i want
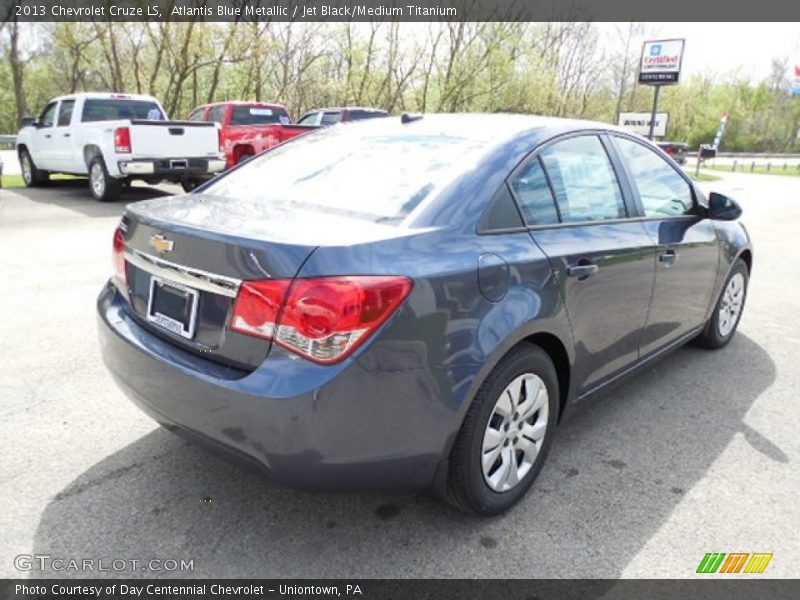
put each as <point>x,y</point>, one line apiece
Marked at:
<point>31,176</point>
<point>506,434</point>
<point>243,157</point>
<point>728,310</point>
<point>102,186</point>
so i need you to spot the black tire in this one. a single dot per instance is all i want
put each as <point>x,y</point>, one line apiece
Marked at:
<point>244,156</point>
<point>715,335</point>
<point>468,489</point>
<point>31,176</point>
<point>189,184</point>
<point>102,186</point>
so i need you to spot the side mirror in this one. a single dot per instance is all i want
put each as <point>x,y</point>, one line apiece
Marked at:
<point>722,208</point>
<point>27,121</point>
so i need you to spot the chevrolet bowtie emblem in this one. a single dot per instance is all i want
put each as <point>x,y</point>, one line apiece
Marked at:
<point>160,243</point>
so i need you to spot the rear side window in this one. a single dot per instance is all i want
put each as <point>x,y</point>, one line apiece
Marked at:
<point>662,190</point>
<point>197,115</point>
<point>583,180</point>
<point>309,119</point>
<point>65,112</point>
<point>533,194</point>
<point>258,115</point>
<point>114,109</point>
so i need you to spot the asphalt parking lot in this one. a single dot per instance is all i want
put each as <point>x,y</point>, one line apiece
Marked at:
<point>697,454</point>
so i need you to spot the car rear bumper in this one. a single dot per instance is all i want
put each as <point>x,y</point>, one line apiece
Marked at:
<point>342,427</point>
<point>171,168</point>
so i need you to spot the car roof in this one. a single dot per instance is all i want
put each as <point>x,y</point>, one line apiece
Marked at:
<point>493,128</point>
<point>105,96</point>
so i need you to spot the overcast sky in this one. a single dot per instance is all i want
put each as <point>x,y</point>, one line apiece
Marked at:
<point>723,48</point>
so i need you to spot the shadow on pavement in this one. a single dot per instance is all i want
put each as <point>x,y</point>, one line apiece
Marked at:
<point>73,194</point>
<point>616,473</point>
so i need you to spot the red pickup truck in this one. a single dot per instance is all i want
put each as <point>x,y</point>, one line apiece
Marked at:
<point>249,127</point>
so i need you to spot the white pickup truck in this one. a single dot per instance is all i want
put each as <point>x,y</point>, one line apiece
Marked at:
<point>114,138</point>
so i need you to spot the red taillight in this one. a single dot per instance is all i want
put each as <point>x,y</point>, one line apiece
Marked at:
<point>668,149</point>
<point>323,319</point>
<point>122,140</point>
<point>220,141</point>
<point>118,255</point>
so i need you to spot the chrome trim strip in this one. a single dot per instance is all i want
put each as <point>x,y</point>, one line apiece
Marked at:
<point>190,277</point>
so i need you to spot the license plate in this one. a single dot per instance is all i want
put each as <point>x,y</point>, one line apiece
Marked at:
<point>172,306</point>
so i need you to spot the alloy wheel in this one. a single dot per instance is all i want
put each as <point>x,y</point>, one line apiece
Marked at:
<point>515,432</point>
<point>731,305</point>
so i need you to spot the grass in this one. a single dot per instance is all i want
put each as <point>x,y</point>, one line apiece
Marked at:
<point>15,181</point>
<point>791,171</point>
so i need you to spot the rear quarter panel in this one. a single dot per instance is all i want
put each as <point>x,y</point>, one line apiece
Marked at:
<point>447,331</point>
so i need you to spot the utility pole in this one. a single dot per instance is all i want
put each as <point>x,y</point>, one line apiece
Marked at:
<point>653,113</point>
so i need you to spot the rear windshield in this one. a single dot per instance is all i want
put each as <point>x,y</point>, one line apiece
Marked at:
<point>114,109</point>
<point>360,115</point>
<point>258,115</point>
<point>354,171</point>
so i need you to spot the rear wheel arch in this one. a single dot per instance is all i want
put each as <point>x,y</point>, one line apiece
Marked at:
<point>242,150</point>
<point>89,152</point>
<point>557,352</point>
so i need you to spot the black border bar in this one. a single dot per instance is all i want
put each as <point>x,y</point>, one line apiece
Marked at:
<point>705,587</point>
<point>400,10</point>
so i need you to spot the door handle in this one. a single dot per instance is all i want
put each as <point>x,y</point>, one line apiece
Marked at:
<point>582,270</point>
<point>66,135</point>
<point>668,257</point>
<point>47,135</point>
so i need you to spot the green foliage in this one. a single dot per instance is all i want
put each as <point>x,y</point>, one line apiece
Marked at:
<point>563,69</point>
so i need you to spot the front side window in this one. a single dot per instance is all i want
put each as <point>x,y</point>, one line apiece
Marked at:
<point>48,116</point>
<point>309,119</point>
<point>215,114</point>
<point>662,190</point>
<point>533,194</point>
<point>65,112</point>
<point>378,176</point>
<point>197,115</point>
<point>583,180</point>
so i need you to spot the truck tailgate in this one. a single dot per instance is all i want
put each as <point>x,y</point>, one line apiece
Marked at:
<point>173,139</point>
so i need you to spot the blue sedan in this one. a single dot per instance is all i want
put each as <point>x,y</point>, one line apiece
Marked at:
<point>416,302</point>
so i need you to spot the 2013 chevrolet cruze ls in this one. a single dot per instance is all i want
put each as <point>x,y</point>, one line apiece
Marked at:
<point>416,302</point>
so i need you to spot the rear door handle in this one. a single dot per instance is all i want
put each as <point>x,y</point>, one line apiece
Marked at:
<point>668,257</point>
<point>582,271</point>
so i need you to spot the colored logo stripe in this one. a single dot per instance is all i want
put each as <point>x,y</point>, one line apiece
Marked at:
<point>758,562</point>
<point>735,561</point>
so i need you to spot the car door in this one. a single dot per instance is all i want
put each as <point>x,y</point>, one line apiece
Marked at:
<point>578,212</point>
<point>62,142</point>
<point>42,148</point>
<point>686,244</point>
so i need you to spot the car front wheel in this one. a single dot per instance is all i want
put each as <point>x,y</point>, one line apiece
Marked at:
<point>31,176</point>
<point>728,310</point>
<point>506,434</point>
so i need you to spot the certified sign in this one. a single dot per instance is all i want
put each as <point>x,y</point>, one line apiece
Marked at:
<point>661,62</point>
<point>639,122</point>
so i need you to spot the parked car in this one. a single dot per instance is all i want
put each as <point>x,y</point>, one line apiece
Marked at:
<point>323,117</point>
<point>677,150</point>
<point>116,138</point>
<point>416,303</point>
<point>249,127</point>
